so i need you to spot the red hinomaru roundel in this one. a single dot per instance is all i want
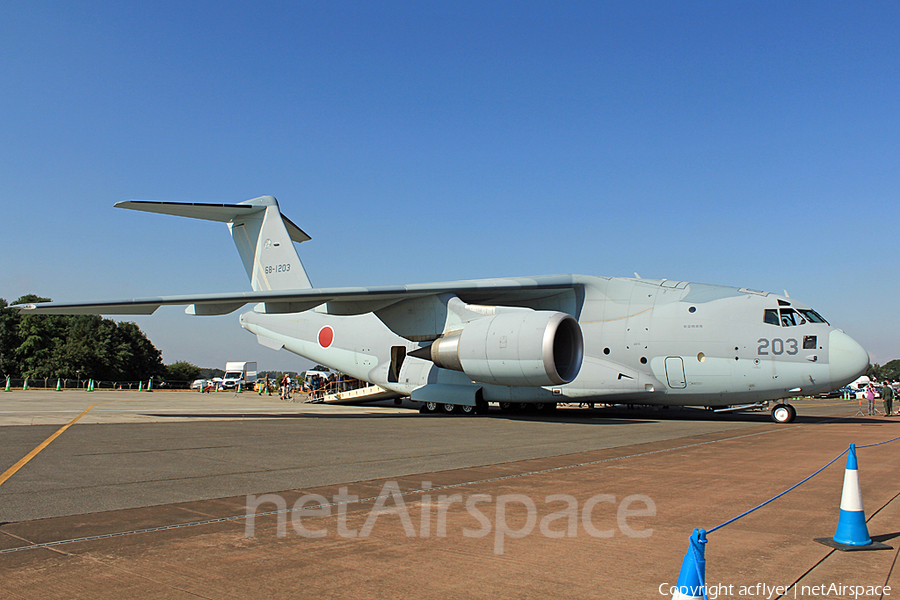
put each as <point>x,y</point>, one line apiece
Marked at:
<point>326,336</point>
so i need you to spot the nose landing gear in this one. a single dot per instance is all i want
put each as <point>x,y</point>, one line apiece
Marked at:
<point>783,413</point>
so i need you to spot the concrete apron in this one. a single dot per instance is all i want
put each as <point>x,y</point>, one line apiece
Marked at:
<point>691,482</point>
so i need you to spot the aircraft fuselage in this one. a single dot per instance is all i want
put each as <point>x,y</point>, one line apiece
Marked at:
<point>645,341</point>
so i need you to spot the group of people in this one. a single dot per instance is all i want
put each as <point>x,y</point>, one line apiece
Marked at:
<point>317,386</point>
<point>887,396</point>
<point>285,388</point>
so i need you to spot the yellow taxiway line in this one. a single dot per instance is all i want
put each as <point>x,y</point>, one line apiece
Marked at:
<point>15,468</point>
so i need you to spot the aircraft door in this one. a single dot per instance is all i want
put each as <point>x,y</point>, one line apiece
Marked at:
<point>675,372</point>
<point>398,355</point>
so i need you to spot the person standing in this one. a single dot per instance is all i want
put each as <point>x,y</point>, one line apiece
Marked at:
<point>887,395</point>
<point>284,388</point>
<point>870,396</point>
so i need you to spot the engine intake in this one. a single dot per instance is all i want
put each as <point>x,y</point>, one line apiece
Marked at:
<point>519,348</point>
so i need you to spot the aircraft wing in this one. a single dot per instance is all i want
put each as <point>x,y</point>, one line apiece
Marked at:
<point>342,300</point>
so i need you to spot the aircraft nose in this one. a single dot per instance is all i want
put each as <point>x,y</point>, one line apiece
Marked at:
<point>847,360</point>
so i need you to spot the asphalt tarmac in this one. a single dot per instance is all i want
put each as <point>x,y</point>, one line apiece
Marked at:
<point>149,494</point>
<point>138,449</point>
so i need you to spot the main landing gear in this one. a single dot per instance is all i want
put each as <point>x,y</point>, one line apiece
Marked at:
<point>783,413</point>
<point>437,407</point>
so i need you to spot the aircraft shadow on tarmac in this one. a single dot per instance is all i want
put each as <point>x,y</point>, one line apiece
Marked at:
<point>597,416</point>
<point>556,418</point>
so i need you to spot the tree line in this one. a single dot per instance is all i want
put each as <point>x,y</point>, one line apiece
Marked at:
<point>75,347</point>
<point>888,372</point>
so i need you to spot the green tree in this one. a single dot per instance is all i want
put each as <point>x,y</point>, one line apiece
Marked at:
<point>182,371</point>
<point>39,338</point>
<point>70,346</point>
<point>140,357</point>
<point>9,339</point>
<point>890,371</point>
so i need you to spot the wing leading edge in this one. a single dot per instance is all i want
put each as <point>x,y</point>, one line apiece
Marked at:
<point>341,300</point>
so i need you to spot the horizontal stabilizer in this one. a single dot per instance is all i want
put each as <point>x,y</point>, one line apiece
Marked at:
<point>263,237</point>
<point>224,213</point>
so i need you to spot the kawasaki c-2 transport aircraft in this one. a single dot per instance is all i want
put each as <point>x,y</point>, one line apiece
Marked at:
<point>460,345</point>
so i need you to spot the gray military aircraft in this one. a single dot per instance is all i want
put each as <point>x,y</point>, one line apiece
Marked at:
<point>459,345</point>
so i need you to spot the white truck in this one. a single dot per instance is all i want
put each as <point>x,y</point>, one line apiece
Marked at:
<point>239,373</point>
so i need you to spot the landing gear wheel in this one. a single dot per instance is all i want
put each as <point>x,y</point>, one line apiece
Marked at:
<point>467,410</point>
<point>449,408</point>
<point>430,407</point>
<point>506,407</point>
<point>783,413</point>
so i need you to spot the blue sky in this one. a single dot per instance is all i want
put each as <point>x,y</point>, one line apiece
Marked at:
<point>740,143</point>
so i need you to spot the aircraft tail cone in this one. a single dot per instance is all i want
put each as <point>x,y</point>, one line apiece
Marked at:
<point>691,579</point>
<point>852,533</point>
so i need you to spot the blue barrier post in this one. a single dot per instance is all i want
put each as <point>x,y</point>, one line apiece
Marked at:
<point>692,578</point>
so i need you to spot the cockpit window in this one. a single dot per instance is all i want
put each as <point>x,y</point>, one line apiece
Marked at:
<point>790,317</point>
<point>812,316</point>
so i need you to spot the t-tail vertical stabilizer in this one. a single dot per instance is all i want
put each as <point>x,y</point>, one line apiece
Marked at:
<point>263,236</point>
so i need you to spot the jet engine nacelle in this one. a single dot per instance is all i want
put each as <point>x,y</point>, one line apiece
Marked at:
<point>521,348</point>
